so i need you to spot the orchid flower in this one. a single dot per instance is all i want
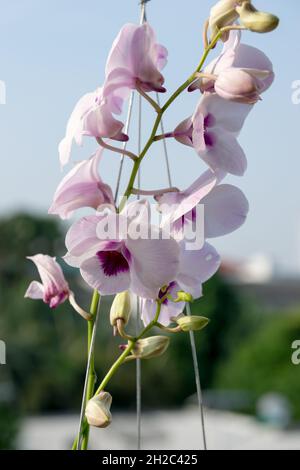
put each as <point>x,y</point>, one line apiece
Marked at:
<point>125,258</point>
<point>135,62</point>
<point>92,116</point>
<point>81,187</point>
<point>225,206</point>
<point>117,249</point>
<point>54,289</point>
<point>195,268</point>
<point>213,132</point>
<point>240,73</point>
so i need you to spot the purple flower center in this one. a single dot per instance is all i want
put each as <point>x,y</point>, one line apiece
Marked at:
<point>209,137</point>
<point>112,262</point>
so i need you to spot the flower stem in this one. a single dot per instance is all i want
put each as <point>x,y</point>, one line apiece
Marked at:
<point>148,98</point>
<point>91,372</point>
<point>154,192</point>
<point>160,114</point>
<point>125,354</point>
<point>168,135</point>
<point>91,376</point>
<point>128,192</point>
<point>117,150</point>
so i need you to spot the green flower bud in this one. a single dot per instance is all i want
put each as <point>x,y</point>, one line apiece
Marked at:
<point>254,20</point>
<point>192,323</point>
<point>150,347</point>
<point>121,308</point>
<point>184,297</point>
<point>223,13</point>
<point>97,410</point>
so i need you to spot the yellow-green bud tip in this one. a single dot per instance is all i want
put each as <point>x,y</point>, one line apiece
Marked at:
<point>255,20</point>
<point>121,308</point>
<point>192,323</point>
<point>184,297</point>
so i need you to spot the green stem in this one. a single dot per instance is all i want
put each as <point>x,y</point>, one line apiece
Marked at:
<point>160,114</point>
<point>125,354</point>
<point>91,372</point>
<point>127,194</point>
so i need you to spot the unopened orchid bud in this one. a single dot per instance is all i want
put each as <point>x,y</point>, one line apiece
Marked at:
<point>183,297</point>
<point>222,14</point>
<point>97,411</point>
<point>192,323</point>
<point>120,309</point>
<point>254,20</point>
<point>238,85</point>
<point>150,347</point>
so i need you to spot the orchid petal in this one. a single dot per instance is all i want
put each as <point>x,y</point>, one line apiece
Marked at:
<point>196,267</point>
<point>226,209</point>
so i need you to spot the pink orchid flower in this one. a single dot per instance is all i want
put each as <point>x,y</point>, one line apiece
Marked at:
<point>93,117</point>
<point>241,72</point>
<point>126,258</point>
<point>81,187</point>
<point>225,206</point>
<point>213,132</point>
<point>135,61</point>
<point>54,289</point>
<point>195,268</point>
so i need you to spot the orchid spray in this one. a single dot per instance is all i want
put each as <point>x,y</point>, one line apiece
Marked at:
<point>118,249</point>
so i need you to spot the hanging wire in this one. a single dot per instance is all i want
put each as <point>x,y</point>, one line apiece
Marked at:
<point>126,130</point>
<point>138,309</point>
<point>188,309</point>
<point>198,380</point>
<point>83,404</point>
<point>143,19</point>
<point>138,306</point>
<point>165,146</point>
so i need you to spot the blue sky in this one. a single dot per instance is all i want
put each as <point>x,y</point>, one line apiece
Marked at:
<point>53,51</point>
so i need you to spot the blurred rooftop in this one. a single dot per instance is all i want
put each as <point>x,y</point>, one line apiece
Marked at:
<point>161,430</point>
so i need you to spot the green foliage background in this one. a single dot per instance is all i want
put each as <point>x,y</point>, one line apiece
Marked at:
<point>46,349</point>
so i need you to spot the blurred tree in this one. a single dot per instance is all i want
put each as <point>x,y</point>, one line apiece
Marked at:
<point>262,364</point>
<point>45,348</point>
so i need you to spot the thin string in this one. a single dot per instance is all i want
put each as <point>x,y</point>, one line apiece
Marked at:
<point>143,19</point>
<point>129,112</point>
<point>126,130</point>
<point>198,380</point>
<point>192,335</point>
<point>138,310</point>
<point>83,404</point>
<point>188,309</point>
<point>162,126</point>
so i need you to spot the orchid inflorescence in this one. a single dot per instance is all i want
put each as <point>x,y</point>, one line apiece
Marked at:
<point>118,250</point>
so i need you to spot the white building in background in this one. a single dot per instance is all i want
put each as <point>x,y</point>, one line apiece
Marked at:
<point>256,269</point>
